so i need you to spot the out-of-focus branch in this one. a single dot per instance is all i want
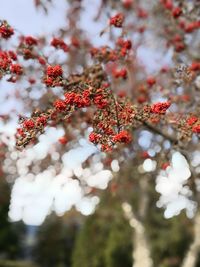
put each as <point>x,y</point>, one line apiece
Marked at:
<point>192,254</point>
<point>156,130</point>
<point>141,252</point>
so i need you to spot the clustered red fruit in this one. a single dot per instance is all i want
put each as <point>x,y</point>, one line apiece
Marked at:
<point>124,45</point>
<point>193,123</point>
<point>6,31</point>
<point>94,137</point>
<point>186,26</point>
<point>160,108</point>
<point>60,105</point>
<point>30,41</point>
<point>195,66</point>
<point>77,99</point>
<point>12,55</point>
<point>122,137</point>
<point>5,61</point>
<point>42,120</point>
<point>106,54</point>
<point>178,43</point>
<point>8,67</point>
<point>16,69</point>
<point>112,115</point>
<point>176,12</point>
<point>117,20</point>
<point>59,43</point>
<point>100,100</point>
<point>191,26</point>
<point>27,47</point>
<point>54,71</point>
<point>196,129</point>
<point>53,76</point>
<point>29,124</point>
<point>81,100</point>
<point>120,73</point>
<point>192,120</point>
<point>32,127</point>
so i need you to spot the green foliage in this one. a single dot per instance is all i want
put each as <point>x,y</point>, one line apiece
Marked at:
<point>55,243</point>
<point>104,240</point>
<point>6,263</point>
<point>119,245</point>
<point>9,234</point>
<point>106,237</point>
<point>169,238</point>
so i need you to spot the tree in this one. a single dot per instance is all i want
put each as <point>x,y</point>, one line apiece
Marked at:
<point>9,241</point>
<point>55,241</point>
<point>106,239</point>
<point>149,118</point>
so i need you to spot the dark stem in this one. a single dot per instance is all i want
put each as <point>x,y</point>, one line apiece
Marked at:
<point>167,136</point>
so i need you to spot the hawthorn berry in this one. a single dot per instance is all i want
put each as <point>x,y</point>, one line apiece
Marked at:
<point>196,128</point>
<point>60,105</point>
<point>160,108</point>
<point>29,124</point>
<point>117,20</point>
<point>122,137</point>
<point>63,140</point>
<point>16,69</point>
<point>6,31</point>
<point>191,120</point>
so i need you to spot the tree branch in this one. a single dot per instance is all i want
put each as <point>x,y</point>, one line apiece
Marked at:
<point>141,251</point>
<point>156,130</point>
<point>192,254</point>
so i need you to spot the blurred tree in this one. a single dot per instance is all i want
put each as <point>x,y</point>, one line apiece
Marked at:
<point>55,242</point>
<point>10,243</point>
<point>104,239</point>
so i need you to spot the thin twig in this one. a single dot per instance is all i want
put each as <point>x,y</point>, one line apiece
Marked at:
<point>167,136</point>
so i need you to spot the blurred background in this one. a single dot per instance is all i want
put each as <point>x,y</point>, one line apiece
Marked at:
<point>93,229</point>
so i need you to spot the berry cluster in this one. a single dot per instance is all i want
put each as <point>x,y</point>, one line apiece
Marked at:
<point>53,76</point>
<point>117,20</point>
<point>106,54</point>
<point>122,73</point>
<point>160,108</point>
<point>60,44</point>
<point>27,47</point>
<point>122,137</point>
<point>29,40</point>
<point>16,69</point>
<point>6,31</point>
<point>193,123</point>
<point>124,46</point>
<point>8,65</point>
